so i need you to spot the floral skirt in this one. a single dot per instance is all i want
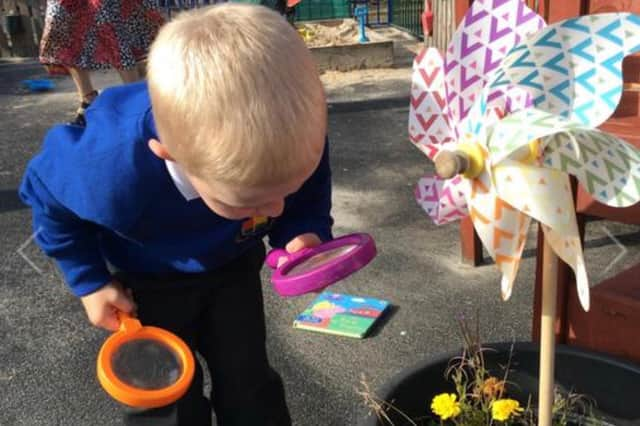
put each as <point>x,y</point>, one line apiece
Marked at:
<point>98,34</point>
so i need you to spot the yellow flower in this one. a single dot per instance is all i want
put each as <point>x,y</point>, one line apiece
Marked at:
<point>502,409</point>
<point>445,405</point>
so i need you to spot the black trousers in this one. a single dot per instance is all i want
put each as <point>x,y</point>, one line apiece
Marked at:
<point>220,315</point>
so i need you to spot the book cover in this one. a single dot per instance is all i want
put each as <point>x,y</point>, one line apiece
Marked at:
<point>341,314</point>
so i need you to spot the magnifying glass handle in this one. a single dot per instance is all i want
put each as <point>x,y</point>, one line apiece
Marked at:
<point>274,256</point>
<point>127,322</point>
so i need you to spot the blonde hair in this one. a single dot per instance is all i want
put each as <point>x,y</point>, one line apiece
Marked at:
<point>236,95</point>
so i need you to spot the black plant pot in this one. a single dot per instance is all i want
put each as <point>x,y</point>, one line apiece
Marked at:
<point>614,384</point>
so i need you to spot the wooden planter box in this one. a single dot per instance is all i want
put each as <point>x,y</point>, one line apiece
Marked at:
<point>342,52</point>
<point>354,56</point>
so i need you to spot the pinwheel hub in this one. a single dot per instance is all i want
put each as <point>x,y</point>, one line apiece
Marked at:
<point>466,160</point>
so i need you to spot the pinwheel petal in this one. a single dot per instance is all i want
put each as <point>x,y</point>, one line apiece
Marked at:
<point>545,195</point>
<point>428,121</point>
<point>567,246</point>
<point>573,68</point>
<point>500,226</point>
<point>607,167</point>
<point>443,200</point>
<point>488,31</point>
<point>514,132</point>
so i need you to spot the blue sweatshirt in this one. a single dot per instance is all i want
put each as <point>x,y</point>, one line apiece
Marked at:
<point>99,194</point>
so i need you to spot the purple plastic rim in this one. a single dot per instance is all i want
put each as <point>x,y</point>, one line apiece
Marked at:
<point>328,273</point>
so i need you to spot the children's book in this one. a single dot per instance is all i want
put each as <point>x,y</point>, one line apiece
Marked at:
<point>341,314</point>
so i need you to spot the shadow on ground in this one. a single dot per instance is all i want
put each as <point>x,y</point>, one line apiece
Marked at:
<point>10,201</point>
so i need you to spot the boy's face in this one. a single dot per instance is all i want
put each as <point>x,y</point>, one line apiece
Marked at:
<point>238,202</point>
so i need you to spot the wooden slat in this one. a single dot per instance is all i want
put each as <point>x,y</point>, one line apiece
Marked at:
<point>554,11</point>
<point>609,6</point>
<point>25,43</point>
<point>5,50</point>
<point>470,244</point>
<point>587,206</point>
<point>461,7</point>
<point>629,105</point>
<point>625,128</point>
<point>443,24</point>
<point>612,323</point>
<point>7,6</point>
<point>631,69</point>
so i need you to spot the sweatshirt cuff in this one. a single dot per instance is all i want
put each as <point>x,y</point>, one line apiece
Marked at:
<point>84,280</point>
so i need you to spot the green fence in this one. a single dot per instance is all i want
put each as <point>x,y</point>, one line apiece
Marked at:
<point>306,10</point>
<point>406,14</point>
<point>313,10</point>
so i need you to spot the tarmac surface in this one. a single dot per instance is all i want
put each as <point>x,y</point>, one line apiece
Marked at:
<point>48,349</point>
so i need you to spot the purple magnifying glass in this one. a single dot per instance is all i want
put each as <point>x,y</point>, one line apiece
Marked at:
<point>312,269</point>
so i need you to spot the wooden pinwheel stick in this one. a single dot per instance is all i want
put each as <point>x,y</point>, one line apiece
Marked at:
<point>547,334</point>
<point>468,161</point>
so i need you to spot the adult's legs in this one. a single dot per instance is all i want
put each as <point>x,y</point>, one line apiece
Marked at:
<point>86,93</point>
<point>142,68</point>
<point>82,80</point>
<point>130,75</point>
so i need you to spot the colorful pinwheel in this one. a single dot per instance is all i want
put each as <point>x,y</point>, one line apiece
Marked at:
<point>519,103</point>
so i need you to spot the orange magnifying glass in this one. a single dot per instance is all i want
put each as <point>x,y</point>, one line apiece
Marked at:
<point>143,366</point>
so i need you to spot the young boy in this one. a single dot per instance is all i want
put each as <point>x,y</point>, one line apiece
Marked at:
<point>159,205</point>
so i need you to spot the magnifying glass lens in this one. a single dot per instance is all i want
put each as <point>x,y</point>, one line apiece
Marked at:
<point>320,259</point>
<point>146,364</point>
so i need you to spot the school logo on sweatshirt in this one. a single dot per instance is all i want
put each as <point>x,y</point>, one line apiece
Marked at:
<point>254,227</point>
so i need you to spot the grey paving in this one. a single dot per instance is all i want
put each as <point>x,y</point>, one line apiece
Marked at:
<point>48,350</point>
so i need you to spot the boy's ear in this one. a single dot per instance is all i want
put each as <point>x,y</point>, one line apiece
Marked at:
<point>159,150</point>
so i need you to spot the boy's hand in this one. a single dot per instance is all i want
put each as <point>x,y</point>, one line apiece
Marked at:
<point>102,306</point>
<point>300,242</point>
